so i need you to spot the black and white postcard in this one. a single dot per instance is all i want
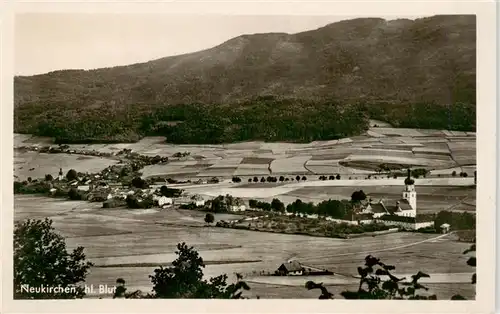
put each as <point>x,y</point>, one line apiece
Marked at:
<point>283,153</point>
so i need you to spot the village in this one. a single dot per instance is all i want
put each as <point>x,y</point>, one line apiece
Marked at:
<point>121,185</point>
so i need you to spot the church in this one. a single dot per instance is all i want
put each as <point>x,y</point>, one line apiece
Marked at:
<point>405,207</point>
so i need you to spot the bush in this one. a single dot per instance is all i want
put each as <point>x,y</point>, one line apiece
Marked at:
<point>48,177</point>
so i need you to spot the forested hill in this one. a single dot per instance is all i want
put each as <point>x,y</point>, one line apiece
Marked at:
<point>384,69</point>
<point>429,59</point>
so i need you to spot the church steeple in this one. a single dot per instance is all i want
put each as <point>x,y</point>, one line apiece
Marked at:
<point>409,192</point>
<point>409,180</point>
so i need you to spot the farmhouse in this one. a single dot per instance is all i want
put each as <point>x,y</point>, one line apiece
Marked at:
<point>290,268</point>
<point>162,201</point>
<point>237,208</point>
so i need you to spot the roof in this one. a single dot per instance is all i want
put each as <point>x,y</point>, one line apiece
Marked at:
<point>378,207</point>
<point>392,209</point>
<point>398,218</point>
<point>363,217</point>
<point>404,205</point>
<point>291,266</point>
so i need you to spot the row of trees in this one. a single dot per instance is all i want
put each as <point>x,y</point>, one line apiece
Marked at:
<point>42,259</point>
<point>332,208</point>
<point>272,179</point>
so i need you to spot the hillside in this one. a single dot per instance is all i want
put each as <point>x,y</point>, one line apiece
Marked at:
<point>369,61</point>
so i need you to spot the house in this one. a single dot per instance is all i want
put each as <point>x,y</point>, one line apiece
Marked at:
<point>237,208</point>
<point>445,228</point>
<point>198,200</point>
<point>377,209</point>
<point>162,201</point>
<point>290,268</point>
<point>83,188</point>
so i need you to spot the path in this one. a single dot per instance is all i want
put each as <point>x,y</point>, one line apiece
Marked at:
<point>380,250</point>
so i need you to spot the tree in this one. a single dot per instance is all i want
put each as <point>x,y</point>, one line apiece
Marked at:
<point>218,205</point>
<point>277,205</point>
<point>358,196</point>
<point>165,191</point>
<point>139,183</point>
<point>282,178</point>
<point>454,173</point>
<point>236,179</point>
<point>373,286</point>
<point>262,179</point>
<point>71,175</point>
<point>184,279</point>
<point>48,177</point>
<point>209,218</point>
<point>252,203</point>
<point>304,178</point>
<point>41,259</point>
<point>331,178</point>
<point>249,180</point>
<point>74,195</point>
<point>255,179</point>
<point>338,177</point>
<point>297,178</point>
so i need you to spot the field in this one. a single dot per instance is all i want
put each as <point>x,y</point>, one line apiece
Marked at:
<point>120,242</point>
<point>436,150</point>
<point>129,243</point>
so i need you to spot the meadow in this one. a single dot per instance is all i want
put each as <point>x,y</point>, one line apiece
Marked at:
<point>127,243</point>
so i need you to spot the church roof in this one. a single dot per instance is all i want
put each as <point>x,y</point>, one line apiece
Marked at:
<point>378,208</point>
<point>404,205</point>
<point>392,209</point>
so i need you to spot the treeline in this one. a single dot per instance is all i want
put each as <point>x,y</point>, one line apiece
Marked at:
<point>332,208</point>
<point>262,118</point>
<point>455,117</point>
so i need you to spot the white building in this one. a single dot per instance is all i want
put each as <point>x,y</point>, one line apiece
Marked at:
<point>237,208</point>
<point>162,200</point>
<point>405,209</point>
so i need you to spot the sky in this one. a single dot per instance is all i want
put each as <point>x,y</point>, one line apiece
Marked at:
<point>45,42</point>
